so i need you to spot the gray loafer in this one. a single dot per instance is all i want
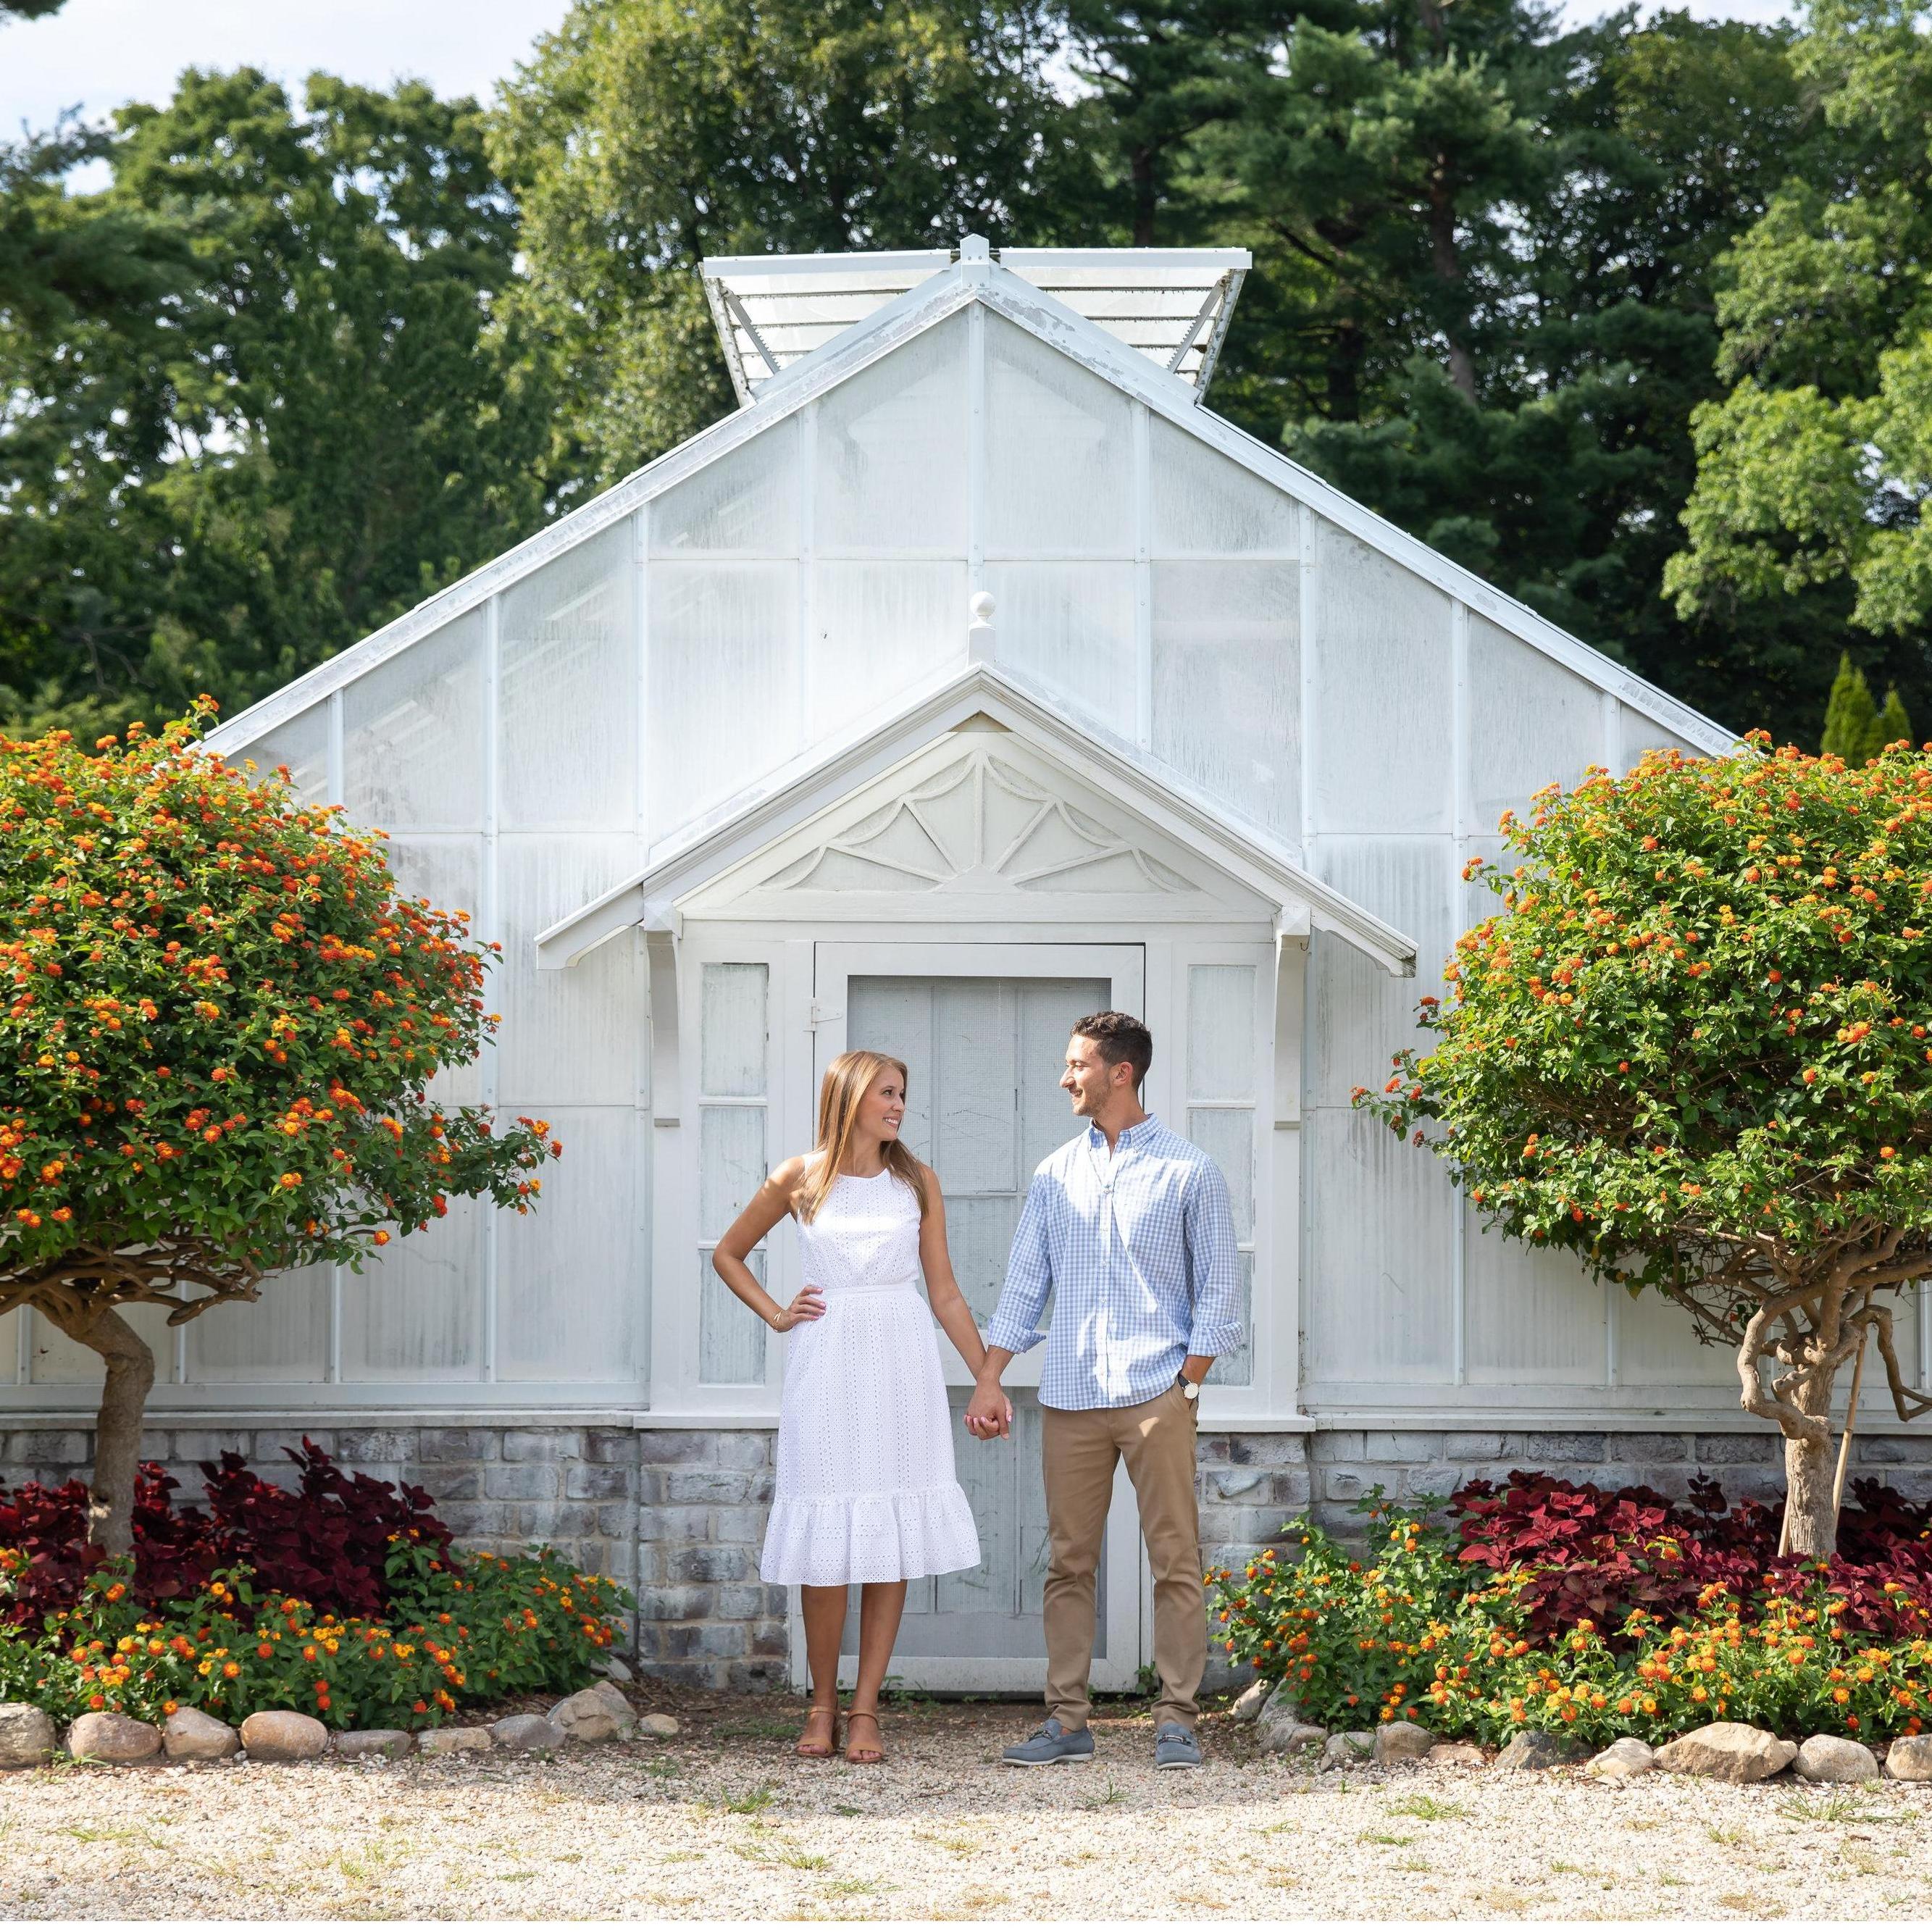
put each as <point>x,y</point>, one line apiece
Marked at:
<point>1176,1748</point>
<point>1052,1744</point>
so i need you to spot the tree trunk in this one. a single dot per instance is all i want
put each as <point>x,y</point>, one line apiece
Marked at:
<point>117,1429</point>
<point>1811,1524</point>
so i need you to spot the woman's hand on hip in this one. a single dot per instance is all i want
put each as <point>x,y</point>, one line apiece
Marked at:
<point>807,1305</point>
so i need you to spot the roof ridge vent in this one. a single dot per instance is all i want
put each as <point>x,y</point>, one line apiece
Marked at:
<point>1172,305</point>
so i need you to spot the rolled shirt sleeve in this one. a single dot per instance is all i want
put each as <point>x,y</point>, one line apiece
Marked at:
<point>1015,1324</point>
<point>1214,1265</point>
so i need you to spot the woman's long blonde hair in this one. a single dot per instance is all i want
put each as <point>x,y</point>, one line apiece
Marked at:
<point>848,1080</point>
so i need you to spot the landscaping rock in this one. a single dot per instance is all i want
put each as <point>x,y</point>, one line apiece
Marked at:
<point>1348,1748</point>
<point>528,1731</point>
<point>194,1734</point>
<point>112,1739</point>
<point>1247,1707</point>
<point>1280,1722</point>
<point>372,1744</point>
<point>283,1737</point>
<point>1628,1758</point>
<point>1402,1743</point>
<point>1823,1760</point>
<point>617,1669</point>
<point>659,1724</point>
<point>1456,1754</point>
<point>596,1716</point>
<point>1736,1753</point>
<point>26,1736</point>
<point>458,1739</point>
<point>1909,1758</point>
<point>1537,1750</point>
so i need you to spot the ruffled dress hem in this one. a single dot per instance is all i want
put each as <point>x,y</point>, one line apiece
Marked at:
<point>882,1536</point>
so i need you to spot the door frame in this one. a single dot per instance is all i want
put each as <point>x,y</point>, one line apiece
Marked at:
<point>836,962</point>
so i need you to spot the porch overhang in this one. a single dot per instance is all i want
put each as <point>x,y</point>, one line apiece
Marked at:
<point>652,898</point>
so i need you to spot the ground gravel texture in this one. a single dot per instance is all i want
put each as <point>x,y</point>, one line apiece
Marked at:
<point>723,1823</point>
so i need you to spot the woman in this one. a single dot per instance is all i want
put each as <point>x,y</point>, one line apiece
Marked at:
<point>866,1492</point>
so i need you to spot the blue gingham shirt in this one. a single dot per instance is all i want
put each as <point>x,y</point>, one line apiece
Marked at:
<point>1138,1249</point>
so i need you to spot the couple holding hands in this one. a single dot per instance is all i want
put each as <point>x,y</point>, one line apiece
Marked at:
<point>1129,1227</point>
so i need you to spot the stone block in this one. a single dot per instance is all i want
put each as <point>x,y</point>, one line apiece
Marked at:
<point>1410,1445</point>
<point>680,1603</point>
<point>618,1521</point>
<point>668,1525</point>
<point>1337,1445</point>
<point>747,1602</point>
<point>542,1445</point>
<point>1555,1450</point>
<point>762,1676</point>
<point>1712,1451</point>
<point>710,1640</point>
<point>1346,1486</point>
<point>58,1448</point>
<point>1272,1452</point>
<point>1432,1479</point>
<point>561,1521</point>
<point>617,1447</point>
<point>1288,1490</point>
<point>449,1482</point>
<point>477,1520</point>
<point>770,1637</point>
<point>704,1563</point>
<point>521,1482</point>
<point>1229,1483</point>
<point>744,1449</point>
<point>1482,1446</point>
<point>740,1525</point>
<point>595,1482</point>
<point>1891,1450</point>
<point>679,1446</point>
<point>206,1445</point>
<point>1646,1448</point>
<point>707,1486</point>
<point>365,1447</point>
<point>456,1445</point>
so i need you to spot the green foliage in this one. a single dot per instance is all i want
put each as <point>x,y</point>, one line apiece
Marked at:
<point>490,1627</point>
<point>1815,467</point>
<point>221,1019</point>
<point>1411,1633</point>
<point>1851,719</point>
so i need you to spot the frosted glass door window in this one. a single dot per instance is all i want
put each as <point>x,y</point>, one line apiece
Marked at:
<point>1060,453</point>
<point>567,707</point>
<point>412,735</point>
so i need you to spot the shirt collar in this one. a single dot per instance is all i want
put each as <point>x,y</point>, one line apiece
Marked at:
<point>1130,1137</point>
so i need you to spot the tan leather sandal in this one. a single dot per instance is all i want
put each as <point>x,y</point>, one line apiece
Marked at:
<point>811,1744</point>
<point>859,1753</point>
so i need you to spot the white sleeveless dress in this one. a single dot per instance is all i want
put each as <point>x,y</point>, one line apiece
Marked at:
<point>866,1492</point>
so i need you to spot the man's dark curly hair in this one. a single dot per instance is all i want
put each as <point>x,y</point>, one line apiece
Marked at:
<point>1120,1036</point>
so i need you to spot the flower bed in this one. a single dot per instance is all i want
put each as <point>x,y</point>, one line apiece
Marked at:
<point>395,1631</point>
<point>1591,1614</point>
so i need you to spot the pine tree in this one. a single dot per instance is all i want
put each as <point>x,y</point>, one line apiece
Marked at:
<point>1851,718</point>
<point>1893,724</point>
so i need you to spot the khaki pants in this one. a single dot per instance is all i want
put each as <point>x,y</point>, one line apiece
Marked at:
<point>1081,1448</point>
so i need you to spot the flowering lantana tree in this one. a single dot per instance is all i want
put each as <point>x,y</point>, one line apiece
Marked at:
<point>1694,1048</point>
<point>218,1018</point>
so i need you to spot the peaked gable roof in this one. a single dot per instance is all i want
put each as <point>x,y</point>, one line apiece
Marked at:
<point>650,897</point>
<point>921,308</point>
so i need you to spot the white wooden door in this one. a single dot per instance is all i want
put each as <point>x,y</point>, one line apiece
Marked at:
<point>983,1030</point>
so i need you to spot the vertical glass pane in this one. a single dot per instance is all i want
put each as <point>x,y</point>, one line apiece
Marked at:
<point>1070,626</point>
<point>56,1361</point>
<point>568,702</point>
<point>1221,1058</point>
<point>448,873</point>
<point>1531,723</point>
<point>1227,684</point>
<point>723,682</point>
<point>415,1313</point>
<point>1226,1134</point>
<point>1236,1369</point>
<point>302,744</point>
<point>730,1339</point>
<point>731,1165</point>
<point>1204,505</point>
<point>732,1028</point>
<point>282,1338</point>
<point>412,734</point>
<point>1059,452</point>
<point>747,501</point>
<point>891,471</point>
<point>877,630</point>
<point>570,1282</point>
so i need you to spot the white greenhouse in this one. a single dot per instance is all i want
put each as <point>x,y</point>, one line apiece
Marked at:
<point>972,675</point>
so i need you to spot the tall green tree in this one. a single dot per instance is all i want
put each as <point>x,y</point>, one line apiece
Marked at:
<point>214,479</point>
<point>1816,468</point>
<point>643,135</point>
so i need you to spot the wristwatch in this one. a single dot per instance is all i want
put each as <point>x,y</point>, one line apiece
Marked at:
<point>1192,1390</point>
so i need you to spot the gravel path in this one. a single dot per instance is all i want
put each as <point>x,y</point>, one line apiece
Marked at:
<point>724,1823</point>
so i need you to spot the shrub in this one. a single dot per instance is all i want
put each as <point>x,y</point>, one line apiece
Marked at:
<point>327,1541</point>
<point>496,1627</point>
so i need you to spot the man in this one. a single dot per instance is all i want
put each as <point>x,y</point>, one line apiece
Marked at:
<point>1129,1227</point>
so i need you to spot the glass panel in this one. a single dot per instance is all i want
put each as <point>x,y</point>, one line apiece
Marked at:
<point>1071,626</point>
<point>730,1339</point>
<point>576,1036</point>
<point>731,1165</point>
<point>1531,723</point>
<point>723,682</point>
<point>1221,1063</point>
<point>282,1338</point>
<point>569,699</point>
<point>412,734</point>
<point>448,873</point>
<point>1059,452</point>
<point>745,501</point>
<point>1236,1369</point>
<point>1205,505</point>
<point>1380,737</point>
<point>416,1311</point>
<point>732,1029</point>
<point>56,1361</point>
<point>571,1280</point>
<point>878,629</point>
<point>302,744</point>
<point>892,451</point>
<point>1227,684</point>
<point>1226,1135</point>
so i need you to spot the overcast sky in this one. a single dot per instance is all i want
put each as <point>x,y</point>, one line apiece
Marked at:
<point>95,54</point>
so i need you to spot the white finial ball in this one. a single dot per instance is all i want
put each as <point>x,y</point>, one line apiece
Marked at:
<point>980,604</point>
